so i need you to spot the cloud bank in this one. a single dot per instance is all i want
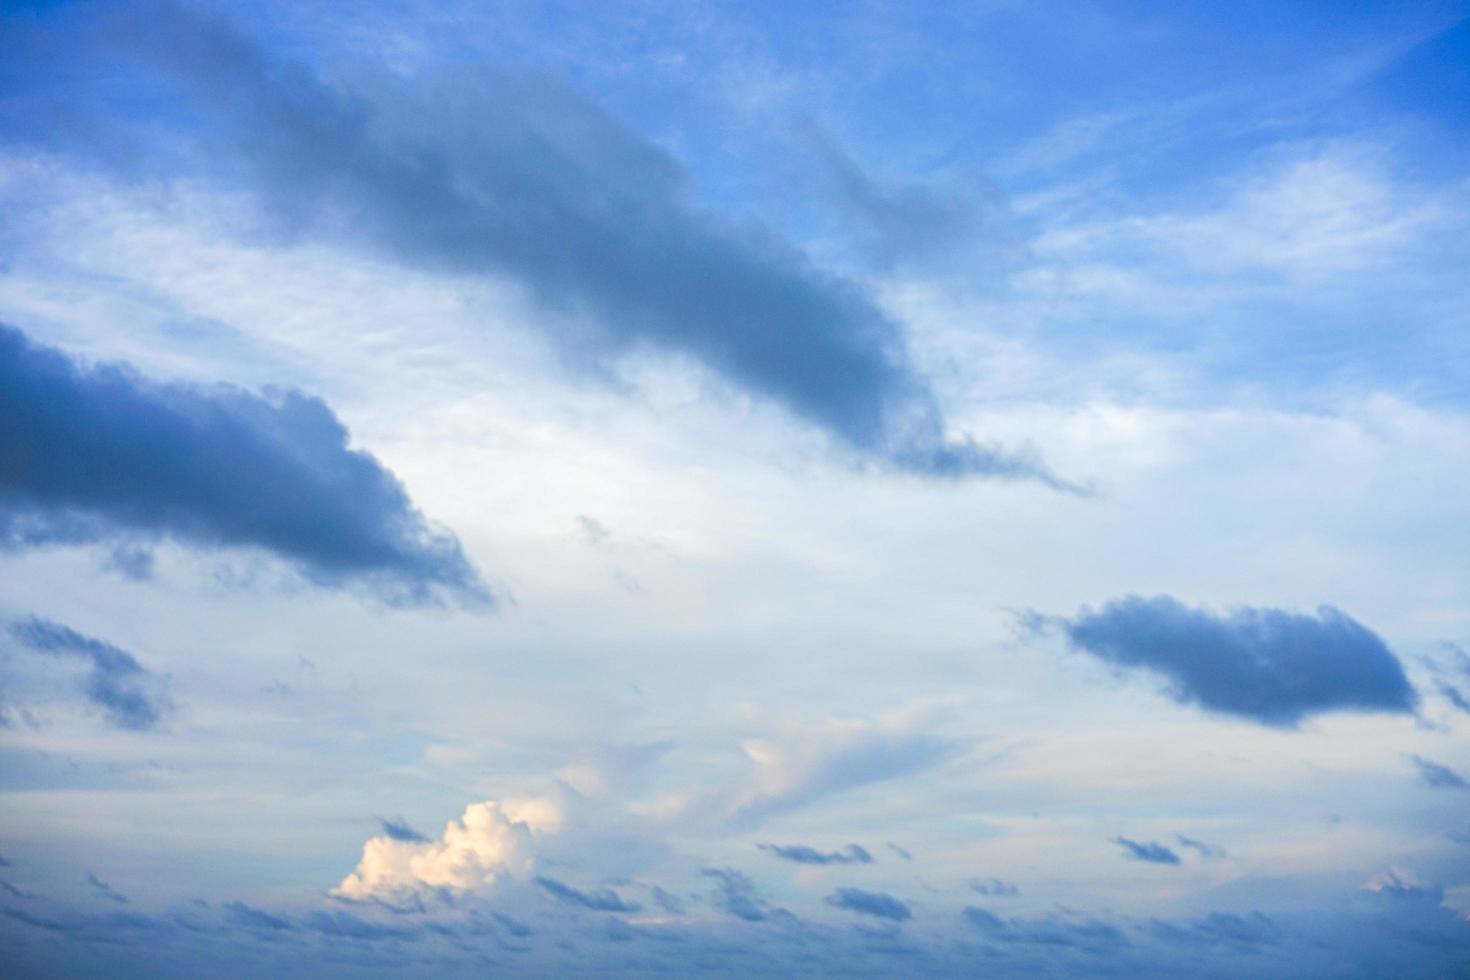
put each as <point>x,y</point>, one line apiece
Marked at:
<point>96,453</point>
<point>1269,665</point>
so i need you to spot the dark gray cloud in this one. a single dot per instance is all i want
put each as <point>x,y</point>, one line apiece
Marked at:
<point>400,830</point>
<point>1269,665</point>
<point>995,887</point>
<point>876,904</point>
<point>598,900</point>
<point>94,454</point>
<point>503,173</point>
<point>128,694</point>
<point>1437,775</point>
<point>802,854</point>
<point>1153,852</point>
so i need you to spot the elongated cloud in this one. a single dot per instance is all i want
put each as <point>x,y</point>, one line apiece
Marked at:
<point>801,854</point>
<point>127,693</point>
<point>1152,851</point>
<point>1269,665</point>
<point>515,176</point>
<point>879,905</point>
<point>90,454</point>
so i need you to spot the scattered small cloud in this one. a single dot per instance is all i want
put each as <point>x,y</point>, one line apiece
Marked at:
<point>879,905</point>
<point>1152,852</point>
<point>801,854</point>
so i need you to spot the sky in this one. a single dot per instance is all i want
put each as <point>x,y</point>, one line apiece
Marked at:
<point>734,489</point>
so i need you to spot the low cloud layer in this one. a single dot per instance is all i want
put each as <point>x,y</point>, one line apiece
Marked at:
<point>101,453</point>
<point>1269,665</point>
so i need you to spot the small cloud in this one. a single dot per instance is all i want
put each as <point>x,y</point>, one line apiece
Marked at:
<point>106,890</point>
<point>737,895</point>
<point>876,904</point>
<point>399,830</point>
<point>257,919</point>
<point>1152,852</point>
<point>902,852</point>
<point>801,854</point>
<point>995,887</point>
<point>594,532</point>
<point>1200,847</point>
<point>598,900</point>
<point>1437,775</point>
<point>130,697</point>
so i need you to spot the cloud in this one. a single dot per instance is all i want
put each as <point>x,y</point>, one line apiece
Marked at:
<point>512,175</point>
<point>736,894</point>
<point>801,854</point>
<point>1218,929</point>
<point>1052,932</point>
<point>89,454</point>
<point>598,900</point>
<point>902,852</point>
<point>106,890</point>
<point>876,904</point>
<point>492,840</point>
<point>797,772</point>
<point>1152,852</point>
<point>130,697</point>
<point>257,919</point>
<point>995,887</point>
<point>399,830</point>
<point>1200,847</point>
<point>1268,665</point>
<point>1437,775</point>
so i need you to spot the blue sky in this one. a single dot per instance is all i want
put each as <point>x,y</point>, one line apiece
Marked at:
<point>638,489</point>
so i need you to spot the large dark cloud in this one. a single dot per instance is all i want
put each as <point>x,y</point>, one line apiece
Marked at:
<point>512,175</point>
<point>126,692</point>
<point>1269,665</point>
<point>90,454</point>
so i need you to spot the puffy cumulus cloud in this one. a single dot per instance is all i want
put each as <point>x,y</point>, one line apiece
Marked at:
<point>100,453</point>
<point>512,175</point>
<point>490,841</point>
<point>127,693</point>
<point>1269,665</point>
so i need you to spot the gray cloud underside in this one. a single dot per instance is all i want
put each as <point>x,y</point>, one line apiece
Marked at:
<point>90,454</point>
<point>1269,665</point>
<point>497,173</point>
